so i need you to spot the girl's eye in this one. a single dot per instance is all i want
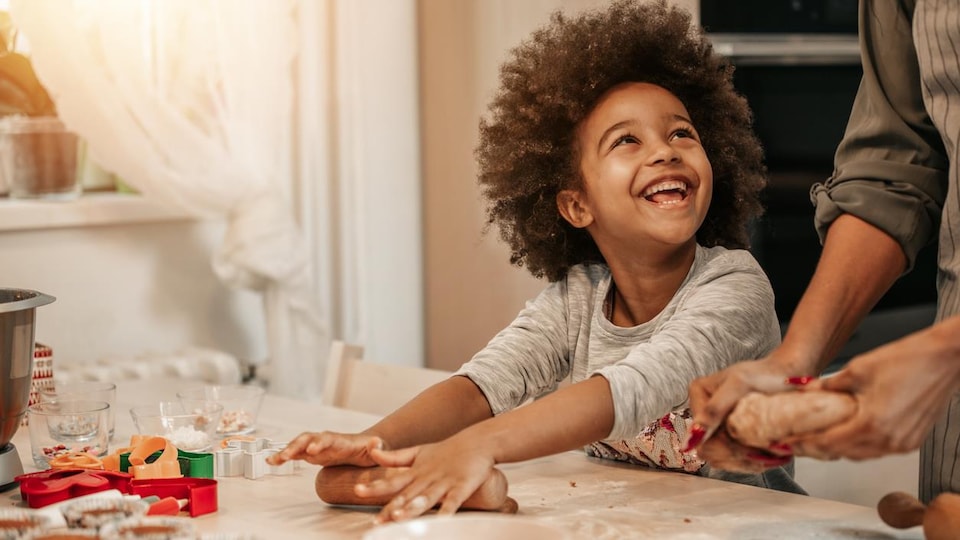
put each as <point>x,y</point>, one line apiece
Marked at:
<point>625,139</point>
<point>684,133</point>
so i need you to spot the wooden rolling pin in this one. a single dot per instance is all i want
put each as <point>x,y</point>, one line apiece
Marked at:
<point>335,486</point>
<point>940,519</point>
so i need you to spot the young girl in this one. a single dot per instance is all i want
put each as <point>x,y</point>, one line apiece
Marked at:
<point>618,162</point>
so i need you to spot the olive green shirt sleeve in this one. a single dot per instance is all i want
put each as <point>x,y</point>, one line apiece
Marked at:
<point>890,169</point>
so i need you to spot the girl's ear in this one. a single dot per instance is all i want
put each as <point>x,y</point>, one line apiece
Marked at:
<point>572,208</point>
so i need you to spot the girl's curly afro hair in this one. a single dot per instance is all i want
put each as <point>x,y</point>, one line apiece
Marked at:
<point>527,154</point>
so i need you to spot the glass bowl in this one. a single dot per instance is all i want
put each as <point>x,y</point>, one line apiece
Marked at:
<point>64,427</point>
<point>189,424</point>
<point>241,405</point>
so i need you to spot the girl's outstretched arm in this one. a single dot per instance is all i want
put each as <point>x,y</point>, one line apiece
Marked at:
<point>448,472</point>
<point>436,413</point>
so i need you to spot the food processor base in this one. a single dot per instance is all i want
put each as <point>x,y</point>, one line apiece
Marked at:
<point>10,467</point>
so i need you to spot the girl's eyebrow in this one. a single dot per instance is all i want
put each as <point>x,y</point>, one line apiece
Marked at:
<point>610,130</point>
<point>625,123</point>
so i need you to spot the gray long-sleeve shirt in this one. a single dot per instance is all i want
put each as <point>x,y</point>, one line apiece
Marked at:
<point>722,313</point>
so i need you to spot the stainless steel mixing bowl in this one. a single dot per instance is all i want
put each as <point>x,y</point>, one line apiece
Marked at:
<point>17,319</point>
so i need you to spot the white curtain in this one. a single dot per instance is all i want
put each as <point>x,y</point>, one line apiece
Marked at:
<point>190,102</point>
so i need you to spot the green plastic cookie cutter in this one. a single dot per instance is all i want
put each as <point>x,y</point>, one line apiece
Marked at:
<point>192,464</point>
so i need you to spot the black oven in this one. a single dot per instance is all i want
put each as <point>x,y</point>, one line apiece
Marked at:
<point>798,64</point>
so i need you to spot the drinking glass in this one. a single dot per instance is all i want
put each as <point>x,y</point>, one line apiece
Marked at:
<point>67,426</point>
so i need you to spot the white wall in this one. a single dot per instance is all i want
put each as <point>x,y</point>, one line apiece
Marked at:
<point>377,180</point>
<point>131,289</point>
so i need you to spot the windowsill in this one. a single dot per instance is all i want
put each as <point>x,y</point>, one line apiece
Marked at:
<point>90,209</point>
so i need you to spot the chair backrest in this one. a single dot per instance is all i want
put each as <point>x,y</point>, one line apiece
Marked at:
<point>352,383</point>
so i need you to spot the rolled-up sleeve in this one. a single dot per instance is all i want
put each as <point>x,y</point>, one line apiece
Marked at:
<point>890,169</point>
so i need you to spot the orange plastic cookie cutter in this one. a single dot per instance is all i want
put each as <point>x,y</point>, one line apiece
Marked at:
<point>76,460</point>
<point>112,462</point>
<point>165,466</point>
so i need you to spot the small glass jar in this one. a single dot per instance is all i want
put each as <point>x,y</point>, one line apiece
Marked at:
<point>38,158</point>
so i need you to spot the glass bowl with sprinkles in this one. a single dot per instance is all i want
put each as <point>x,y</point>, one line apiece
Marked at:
<point>241,405</point>
<point>189,426</point>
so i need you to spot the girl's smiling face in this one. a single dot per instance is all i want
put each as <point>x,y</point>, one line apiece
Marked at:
<point>646,177</point>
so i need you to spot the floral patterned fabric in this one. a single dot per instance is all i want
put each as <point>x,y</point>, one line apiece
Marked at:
<point>659,445</point>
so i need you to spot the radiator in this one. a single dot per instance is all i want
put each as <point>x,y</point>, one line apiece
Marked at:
<point>194,363</point>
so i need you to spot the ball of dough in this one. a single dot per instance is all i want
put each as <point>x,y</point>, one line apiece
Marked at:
<point>942,520</point>
<point>901,510</point>
<point>760,420</point>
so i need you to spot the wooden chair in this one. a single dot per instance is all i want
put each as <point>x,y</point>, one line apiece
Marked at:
<point>352,383</point>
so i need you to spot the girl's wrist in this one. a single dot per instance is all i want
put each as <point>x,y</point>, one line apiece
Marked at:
<point>384,442</point>
<point>795,361</point>
<point>479,440</point>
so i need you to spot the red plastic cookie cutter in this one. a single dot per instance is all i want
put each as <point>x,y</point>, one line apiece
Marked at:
<point>55,485</point>
<point>40,489</point>
<point>200,493</point>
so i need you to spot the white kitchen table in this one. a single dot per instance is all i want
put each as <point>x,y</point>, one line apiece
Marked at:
<point>592,498</point>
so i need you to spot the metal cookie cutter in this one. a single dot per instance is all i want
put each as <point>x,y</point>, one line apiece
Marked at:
<point>247,457</point>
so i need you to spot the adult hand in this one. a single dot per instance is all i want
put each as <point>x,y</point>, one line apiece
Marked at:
<point>444,473</point>
<point>329,448</point>
<point>901,389</point>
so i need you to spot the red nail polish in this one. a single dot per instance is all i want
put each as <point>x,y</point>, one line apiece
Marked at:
<point>799,381</point>
<point>697,433</point>
<point>782,448</point>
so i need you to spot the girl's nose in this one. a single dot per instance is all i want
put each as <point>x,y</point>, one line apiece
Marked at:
<point>662,152</point>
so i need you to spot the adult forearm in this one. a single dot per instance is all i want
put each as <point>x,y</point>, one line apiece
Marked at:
<point>944,337</point>
<point>858,265</point>
<point>437,413</point>
<point>565,420</point>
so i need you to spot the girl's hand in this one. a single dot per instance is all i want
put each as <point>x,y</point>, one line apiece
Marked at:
<point>329,448</point>
<point>722,452</point>
<point>445,473</point>
<point>714,396</point>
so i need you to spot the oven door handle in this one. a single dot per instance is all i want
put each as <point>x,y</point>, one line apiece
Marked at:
<point>788,51</point>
